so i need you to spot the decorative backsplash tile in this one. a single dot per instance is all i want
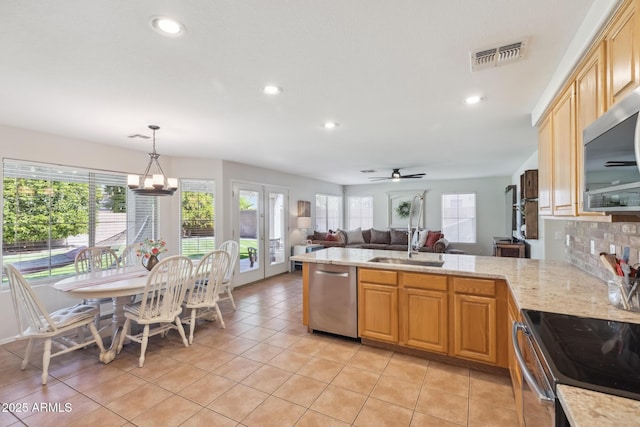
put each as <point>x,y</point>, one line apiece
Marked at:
<point>603,234</point>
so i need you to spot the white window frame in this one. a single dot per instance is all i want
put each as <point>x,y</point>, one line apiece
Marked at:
<point>360,219</point>
<point>323,222</point>
<point>200,243</point>
<point>140,222</point>
<point>455,238</point>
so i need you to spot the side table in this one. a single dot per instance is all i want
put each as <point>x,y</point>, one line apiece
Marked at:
<point>302,249</point>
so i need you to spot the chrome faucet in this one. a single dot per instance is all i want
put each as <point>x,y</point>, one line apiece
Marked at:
<point>411,248</point>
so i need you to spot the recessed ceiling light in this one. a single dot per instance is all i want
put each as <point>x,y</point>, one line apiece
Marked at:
<point>473,99</point>
<point>330,125</point>
<point>167,26</point>
<point>271,90</point>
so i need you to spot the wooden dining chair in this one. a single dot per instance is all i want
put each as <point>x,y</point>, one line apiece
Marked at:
<point>161,303</point>
<point>230,247</point>
<point>202,298</point>
<point>93,259</point>
<point>62,327</point>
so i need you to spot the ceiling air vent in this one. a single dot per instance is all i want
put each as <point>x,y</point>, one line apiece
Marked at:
<point>497,56</point>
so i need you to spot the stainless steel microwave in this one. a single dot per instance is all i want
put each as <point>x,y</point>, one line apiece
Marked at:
<point>611,154</point>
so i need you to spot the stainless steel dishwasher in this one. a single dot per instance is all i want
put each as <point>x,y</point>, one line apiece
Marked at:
<point>333,299</point>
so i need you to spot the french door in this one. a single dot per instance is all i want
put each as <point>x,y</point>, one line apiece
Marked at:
<point>260,226</point>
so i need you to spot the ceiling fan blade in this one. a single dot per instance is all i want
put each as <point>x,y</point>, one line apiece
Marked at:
<point>378,178</point>
<point>414,175</point>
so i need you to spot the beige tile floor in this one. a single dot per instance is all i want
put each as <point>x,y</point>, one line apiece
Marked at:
<point>264,370</point>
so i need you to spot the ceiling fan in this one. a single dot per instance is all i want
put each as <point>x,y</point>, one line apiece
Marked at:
<point>396,176</point>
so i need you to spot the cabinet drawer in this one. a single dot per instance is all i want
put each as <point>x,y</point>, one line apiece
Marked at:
<point>424,281</point>
<point>466,285</point>
<point>378,276</point>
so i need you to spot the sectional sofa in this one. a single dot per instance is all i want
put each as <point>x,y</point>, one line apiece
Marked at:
<point>394,240</point>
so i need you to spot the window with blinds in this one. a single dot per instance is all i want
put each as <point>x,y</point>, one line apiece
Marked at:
<point>197,217</point>
<point>50,212</point>
<point>328,212</point>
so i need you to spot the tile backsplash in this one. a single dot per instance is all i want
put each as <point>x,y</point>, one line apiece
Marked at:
<point>604,235</point>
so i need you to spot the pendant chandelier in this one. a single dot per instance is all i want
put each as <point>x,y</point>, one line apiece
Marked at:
<point>156,184</point>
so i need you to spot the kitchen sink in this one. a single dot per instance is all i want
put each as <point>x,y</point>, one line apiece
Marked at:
<point>407,261</point>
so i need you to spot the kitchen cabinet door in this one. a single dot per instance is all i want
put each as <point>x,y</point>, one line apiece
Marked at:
<point>475,327</point>
<point>622,53</point>
<point>545,167</point>
<point>378,312</point>
<point>564,155</point>
<point>425,319</point>
<point>590,104</point>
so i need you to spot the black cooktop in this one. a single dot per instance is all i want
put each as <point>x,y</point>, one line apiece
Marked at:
<point>595,354</point>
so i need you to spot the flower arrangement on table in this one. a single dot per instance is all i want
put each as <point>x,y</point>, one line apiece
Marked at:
<point>151,247</point>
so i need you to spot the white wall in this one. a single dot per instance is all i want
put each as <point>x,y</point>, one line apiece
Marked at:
<point>34,146</point>
<point>490,220</point>
<point>300,188</point>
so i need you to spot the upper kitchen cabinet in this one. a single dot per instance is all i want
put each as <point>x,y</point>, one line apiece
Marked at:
<point>590,104</point>
<point>622,53</point>
<point>563,123</point>
<point>557,189</point>
<point>606,74</point>
<point>545,169</point>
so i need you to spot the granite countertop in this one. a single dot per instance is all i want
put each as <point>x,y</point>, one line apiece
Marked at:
<point>552,286</point>
<point>589,408</point>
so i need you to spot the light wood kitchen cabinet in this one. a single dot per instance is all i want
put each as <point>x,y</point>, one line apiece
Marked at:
<point>609,71</point>
<point>378,305</point>
<point>622,53</point>
<point>563,144</point>
<point>545,169</point>
<point>477,320</point>
<point>590,104</point>
<point>424,312</point>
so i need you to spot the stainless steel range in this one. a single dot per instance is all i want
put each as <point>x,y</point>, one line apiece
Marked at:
<point>594,354</point>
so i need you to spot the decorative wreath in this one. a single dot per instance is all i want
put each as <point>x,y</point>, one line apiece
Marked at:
<point>403,209</point>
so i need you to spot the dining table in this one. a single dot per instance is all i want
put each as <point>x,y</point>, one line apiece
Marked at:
<point>118,284</point>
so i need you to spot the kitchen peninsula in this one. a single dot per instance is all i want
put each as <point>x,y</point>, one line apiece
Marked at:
<point>551,286</point>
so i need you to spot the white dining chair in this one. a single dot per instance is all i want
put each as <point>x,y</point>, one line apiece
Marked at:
<point>129,257</point>
<point>161,303</point>
<point>230,247</point>
<point>62,327</point>
<point>202,298</point>
<point>93,259</point>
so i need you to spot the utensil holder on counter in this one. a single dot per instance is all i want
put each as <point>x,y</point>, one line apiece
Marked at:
<point>623,293</point>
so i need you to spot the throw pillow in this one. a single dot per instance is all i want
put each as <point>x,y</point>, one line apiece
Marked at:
<point>331,238</point>
<point>355,237</point>
<point>381,237</point>
<point>399,237</point>
<point>342,236</point>
<point>433,237</point>
<point>422,238</point>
